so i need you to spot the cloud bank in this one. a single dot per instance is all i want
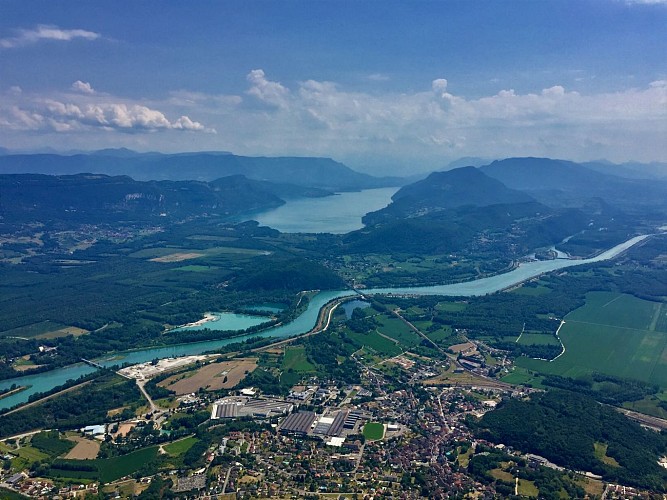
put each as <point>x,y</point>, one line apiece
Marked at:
<point>410,131</point>
<point>85,110</point>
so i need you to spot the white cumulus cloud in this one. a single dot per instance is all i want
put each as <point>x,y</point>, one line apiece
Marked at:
<point>83,87</point>
<point>269,92</point>
<point>44,32</point>
<point>86,110</point>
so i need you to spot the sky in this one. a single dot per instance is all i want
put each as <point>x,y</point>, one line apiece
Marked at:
<point>384,86</point>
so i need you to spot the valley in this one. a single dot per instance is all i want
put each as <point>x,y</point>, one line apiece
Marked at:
<point>462,299</point>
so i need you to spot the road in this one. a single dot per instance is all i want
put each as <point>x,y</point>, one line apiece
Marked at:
<point>484,380</point>
<point>655,422</point>
<point>323,323</point>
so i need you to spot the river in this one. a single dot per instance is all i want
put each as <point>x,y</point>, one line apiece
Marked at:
<point>305,322</point>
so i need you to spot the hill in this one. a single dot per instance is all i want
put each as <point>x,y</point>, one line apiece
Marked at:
<point>509,229</point>
<point>95,198</point>
<point>323,173</point>
<point>466,186</point>
<point>568,429</point>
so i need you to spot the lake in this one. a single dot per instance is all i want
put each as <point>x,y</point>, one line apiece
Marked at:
<point>224,322</point>
<point>337,214</point>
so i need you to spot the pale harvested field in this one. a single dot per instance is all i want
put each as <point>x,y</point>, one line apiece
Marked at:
<point>63,332</point>
<point>177,257</point>
<point>85,449</point>
<point>25,368</point>
<point>462,347</point>
<point>211,377</point>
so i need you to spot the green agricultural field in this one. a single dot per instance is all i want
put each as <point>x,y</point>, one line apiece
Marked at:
<point>650,405</point>
<point>398,330</point>
<point>450,306</point>
<point>521,376</point>
<point>196,268</point>
<point>376,342</point>
<point>612,333</point>
<point>179,447</point>
<point>49,442</point>
<point>373,431</point>
<point>34,330</point>
<point>296,359</point>
<point>619,310</point>
<point>108,469</point>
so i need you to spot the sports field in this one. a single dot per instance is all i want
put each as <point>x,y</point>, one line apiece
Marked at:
<point>615,334</point>
<point>373,431</point>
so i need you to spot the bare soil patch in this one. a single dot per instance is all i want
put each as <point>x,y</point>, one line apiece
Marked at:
<point>177,257</point>
<point>124,429</point>
<point>223,375</point>
<point>462,347</point>
<point>85,449</point>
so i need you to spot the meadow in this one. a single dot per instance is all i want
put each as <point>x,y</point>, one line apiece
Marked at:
<point>295,359</point>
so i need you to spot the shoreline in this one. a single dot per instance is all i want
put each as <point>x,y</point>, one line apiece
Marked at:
<point>208,317</point>
<point>14,391</point>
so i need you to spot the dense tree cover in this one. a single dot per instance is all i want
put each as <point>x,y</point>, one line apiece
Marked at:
<point>510,229</point>
<point>564,426</point>
<point>324,351</point>
<point>603,388</point>
<point>84,406</point>
<point>100,198</point>
<point>159,489</point>
<point>291,274</point>
<point>266,382</point>
<point>49,442</point>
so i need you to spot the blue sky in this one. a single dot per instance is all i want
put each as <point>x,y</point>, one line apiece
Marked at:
<point>381,85</point>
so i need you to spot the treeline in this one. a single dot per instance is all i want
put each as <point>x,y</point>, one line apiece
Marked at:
<point>604,388</point>
<point>84,406</point>
<point>564,427</point>
<point>536,351</point>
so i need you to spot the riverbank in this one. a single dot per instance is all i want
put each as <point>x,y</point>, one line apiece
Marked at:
<point>309,319</point>
<point>14,391</point>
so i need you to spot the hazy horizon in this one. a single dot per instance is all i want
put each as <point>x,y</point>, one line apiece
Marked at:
<point>403,90</point>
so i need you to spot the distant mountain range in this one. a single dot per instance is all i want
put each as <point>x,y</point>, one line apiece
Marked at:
<point>322,173</point>
<point>565,183</point>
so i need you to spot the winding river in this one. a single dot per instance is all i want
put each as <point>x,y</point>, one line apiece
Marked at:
<point>306,321</point>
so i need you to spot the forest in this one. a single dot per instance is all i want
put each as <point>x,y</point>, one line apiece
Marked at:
<point>564,427</point>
